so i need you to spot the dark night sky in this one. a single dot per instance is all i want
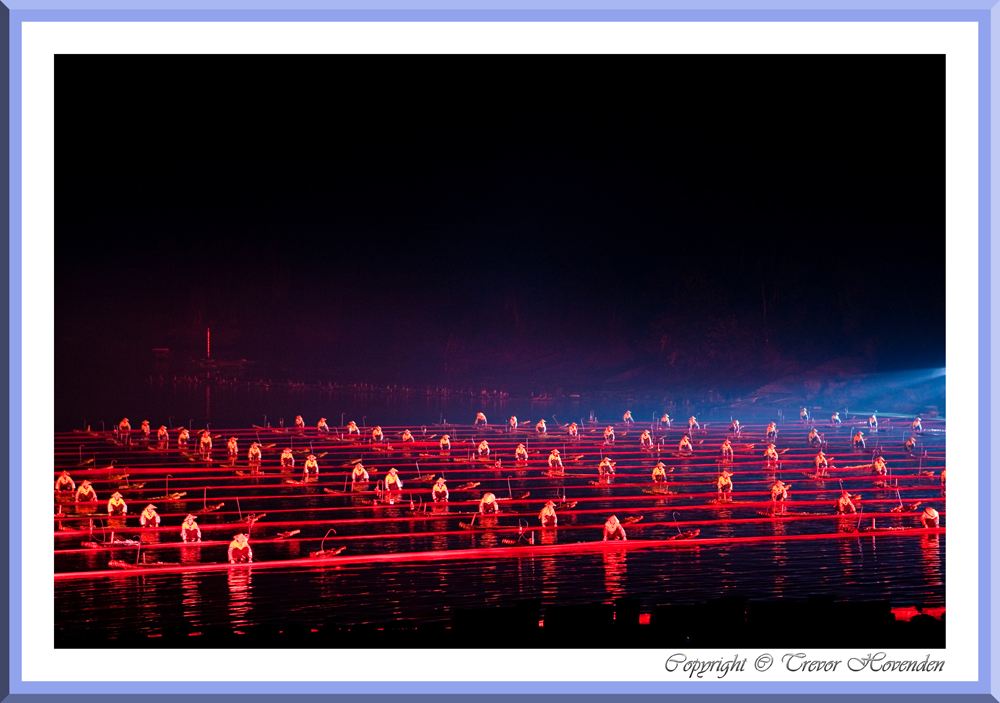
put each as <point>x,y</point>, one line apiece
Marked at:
<point>380,217</point>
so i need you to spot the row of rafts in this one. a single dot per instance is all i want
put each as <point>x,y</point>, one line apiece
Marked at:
<point>372,450</point>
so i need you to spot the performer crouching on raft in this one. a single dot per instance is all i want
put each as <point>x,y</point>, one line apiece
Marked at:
<point>407,437</point>
<point>512,423</point>
<point>916,426</point>
<point>725,486</point>
<point>359,475</point>
<point>555,461</point>
<point>573,431</point>
<point>116,504</point>
<point>804,415</point>
<point>844,504</point>
<point>205,444</point>
<point>821,463</point>
<point>665,420</point>
<point>930,517</point>
<point>182,439</point>
<point>779,494</point>
<point>659,473</point>
<point>480,420</point>
<point>771,434</point>
<point>311,465</point>
<point>377,434</point>
<point>253,456</point>
<point>287,460</point>
<point>239,550</point>
<point>85,493</point>
<point>352,428</point>
<point>835,418</point>
<point>190,532</point>
<point>540,427</point>
<point>693,424</point>
<point>300,424</point>
<point>124,431</point>
<point>488,505</point>
<point>484,448</point>
<point>445,443</point>
<point>144,429</point>
<point>645,440</point>
<point>771,454</point>
<point>910,444</point>
<point>233,448</point>
<point>627,417</point>
<point>149,517</point>
<point>685,445</point>
<point>878,466</point>
<point>606,469</point>
<point>439,492</point>
<point>548,515</point>
<point>65,482</point>
<point>814,439</point>
<point>873,422</point>
<point>162,437</point>
<point>734,428</point>
<point>393,485</point>
<point>727,450</point>
<point>609,435</point>
<point>322,427</point>
<point>520,454</point>
<point>859,440</point>
<point>613,530</point>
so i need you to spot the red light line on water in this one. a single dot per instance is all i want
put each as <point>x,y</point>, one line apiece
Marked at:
<point>708,492</point>
<point>497,530</point>
<point>443,516</point>
<point>486,553</point>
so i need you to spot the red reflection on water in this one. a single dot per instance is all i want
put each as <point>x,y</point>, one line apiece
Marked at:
<point>614,572</point>
<point>548,535</point>
<point>240,593</point>
<point>191,600</point>
<point>930,558</point>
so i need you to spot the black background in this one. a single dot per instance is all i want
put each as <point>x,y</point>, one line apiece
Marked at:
<point>411,219</point>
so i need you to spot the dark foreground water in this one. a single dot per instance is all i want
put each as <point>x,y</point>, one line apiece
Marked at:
<point>903,570</point>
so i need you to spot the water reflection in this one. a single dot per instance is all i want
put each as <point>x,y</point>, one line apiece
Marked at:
<point>292,549</point>
<point>614,572</point>
<point>931,559</point>
<point>438,541</point>
<point>190,553</point>
<point>190,599</point>
<point>779,551</point>
<point>488,540</point>
<point>726,529</point>
<point>240,595</point>
<point>548,535</point>
<point>550,579</point>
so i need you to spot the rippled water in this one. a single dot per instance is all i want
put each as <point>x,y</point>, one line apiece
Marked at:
<point>902,570</point>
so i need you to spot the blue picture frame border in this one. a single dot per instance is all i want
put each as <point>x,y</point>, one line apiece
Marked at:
<point>983,12</point>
